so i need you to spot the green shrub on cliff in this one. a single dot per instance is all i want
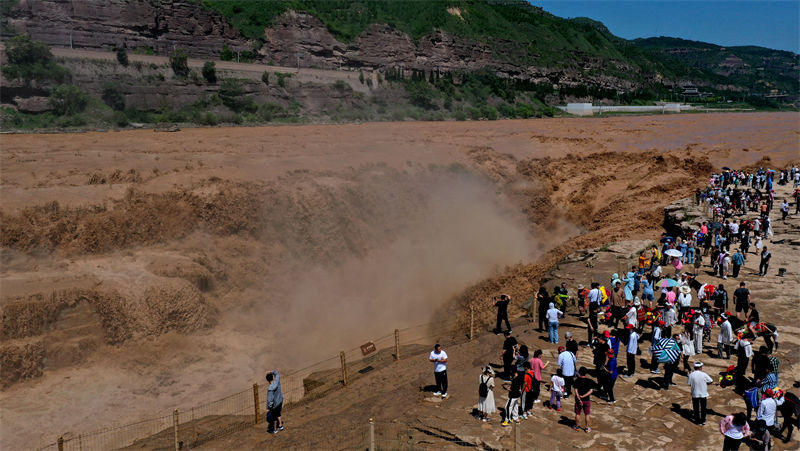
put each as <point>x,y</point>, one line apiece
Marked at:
<point>179,63</point>
<point>68,100</point>
<point>113,96</point>
<point>210,72</point>
<point>31,60</point>
<point>232,96</point>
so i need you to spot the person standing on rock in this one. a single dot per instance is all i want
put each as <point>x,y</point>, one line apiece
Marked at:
<point>594,298</point>
<point>567,362</point>
<point>725,337</point>
<point>631,351</point>
<point>274,403</point>
<point>571,343</point>
<point>508,354</point>
<point>744,351</point>
<point>741,299</point>
<point>557,390</point>
<point>501,302</point>
<point>763,267</point>
<point>542,301</point>
<point>583,402</point>
<point>796,195</point>
<point>610,374</point>
<point>699,323</point>
<point>514,395</point>
<point>553,314</point>
<point>439,359</point>
<point>486,405</point>
<point>698,382</point>
<point>537,365</point>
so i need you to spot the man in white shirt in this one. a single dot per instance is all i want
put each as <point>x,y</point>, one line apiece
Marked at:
<point>768,408</point>
<point>699,325</point>
<point>632,315</point>
<point>631,351</point>
<point>698,382</point>
<point>439,359</point>
<point>685,298</point>
<point>724,338</point>
<point>567,360</point>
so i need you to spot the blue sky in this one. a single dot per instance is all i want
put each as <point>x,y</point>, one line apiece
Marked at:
<point>773,24</point>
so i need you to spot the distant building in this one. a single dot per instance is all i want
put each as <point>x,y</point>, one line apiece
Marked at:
<point>690,90</point>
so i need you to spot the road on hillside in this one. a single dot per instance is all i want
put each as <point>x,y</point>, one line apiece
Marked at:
<point>252,70</point>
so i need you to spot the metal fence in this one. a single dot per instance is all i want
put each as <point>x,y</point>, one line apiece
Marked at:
<point>202,423</point>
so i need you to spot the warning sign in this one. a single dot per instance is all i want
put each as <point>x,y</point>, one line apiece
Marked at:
<point>368,348</point>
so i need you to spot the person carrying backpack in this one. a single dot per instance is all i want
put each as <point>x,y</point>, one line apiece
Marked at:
<point>486,405</point>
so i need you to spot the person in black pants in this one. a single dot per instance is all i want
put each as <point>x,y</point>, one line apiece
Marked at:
<point>501,302</point>
<point>763,267</point>
<point>670,367</point>
<point>790,418</point>
<point>508,354</point>
<point>439,359</point>
<point>543,303</point>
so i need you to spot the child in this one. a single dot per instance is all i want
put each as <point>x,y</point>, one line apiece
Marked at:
<point>556,390</point>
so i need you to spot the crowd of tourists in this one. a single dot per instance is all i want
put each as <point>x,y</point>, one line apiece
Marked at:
<point>662,308</point>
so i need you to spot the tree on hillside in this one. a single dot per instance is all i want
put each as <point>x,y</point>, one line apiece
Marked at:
<point>113,96</point>
<point>122,56</point>
<point>68,99</point>
<point>210,72</point>
<point>180,63</point>
<point>31,60</point>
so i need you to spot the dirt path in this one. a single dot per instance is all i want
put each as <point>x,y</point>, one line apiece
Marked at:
<point>241,70</point>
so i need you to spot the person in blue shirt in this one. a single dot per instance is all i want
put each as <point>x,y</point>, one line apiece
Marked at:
<point>610,376</point>
<point>629,280</point>
<point>647,290</point>
<point>738,260</point>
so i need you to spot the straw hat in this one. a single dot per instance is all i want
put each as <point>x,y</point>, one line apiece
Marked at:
<point>685,289</point>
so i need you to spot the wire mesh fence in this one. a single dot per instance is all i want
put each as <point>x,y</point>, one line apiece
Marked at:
<point>195,425</point>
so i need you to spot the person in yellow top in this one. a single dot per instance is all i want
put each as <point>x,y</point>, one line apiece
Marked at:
<point>656,256</point>
<point>644,262</point>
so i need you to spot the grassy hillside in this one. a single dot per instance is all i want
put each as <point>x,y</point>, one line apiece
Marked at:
<point>760,68</point>
<point>525,34</point>
<point>533,32</point>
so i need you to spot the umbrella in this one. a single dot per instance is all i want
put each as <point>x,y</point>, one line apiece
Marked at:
<point>666,239</point>
<point>673,253</point>
<point>715,225</point>
<point>666,349</point>
<point>668,283</point>
<point>725,168</point>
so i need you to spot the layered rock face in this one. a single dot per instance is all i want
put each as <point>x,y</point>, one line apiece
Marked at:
<point>300,36</point>
<point>159,24</point>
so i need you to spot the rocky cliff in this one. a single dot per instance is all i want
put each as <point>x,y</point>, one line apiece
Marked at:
<point>294,38</point>
<point>159,24</point>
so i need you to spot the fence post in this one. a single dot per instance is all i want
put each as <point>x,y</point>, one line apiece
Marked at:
<point>61,444</point>
<point>80,442</point>
<point>256,403</point>
<point>344,368</point>
<point>516,437</point>
<point>397,344</point>
<point>471,322</point>
<point>371,435</point>
<point>175,428</point>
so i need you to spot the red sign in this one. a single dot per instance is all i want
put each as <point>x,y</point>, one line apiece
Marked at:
<point>368,348</point>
